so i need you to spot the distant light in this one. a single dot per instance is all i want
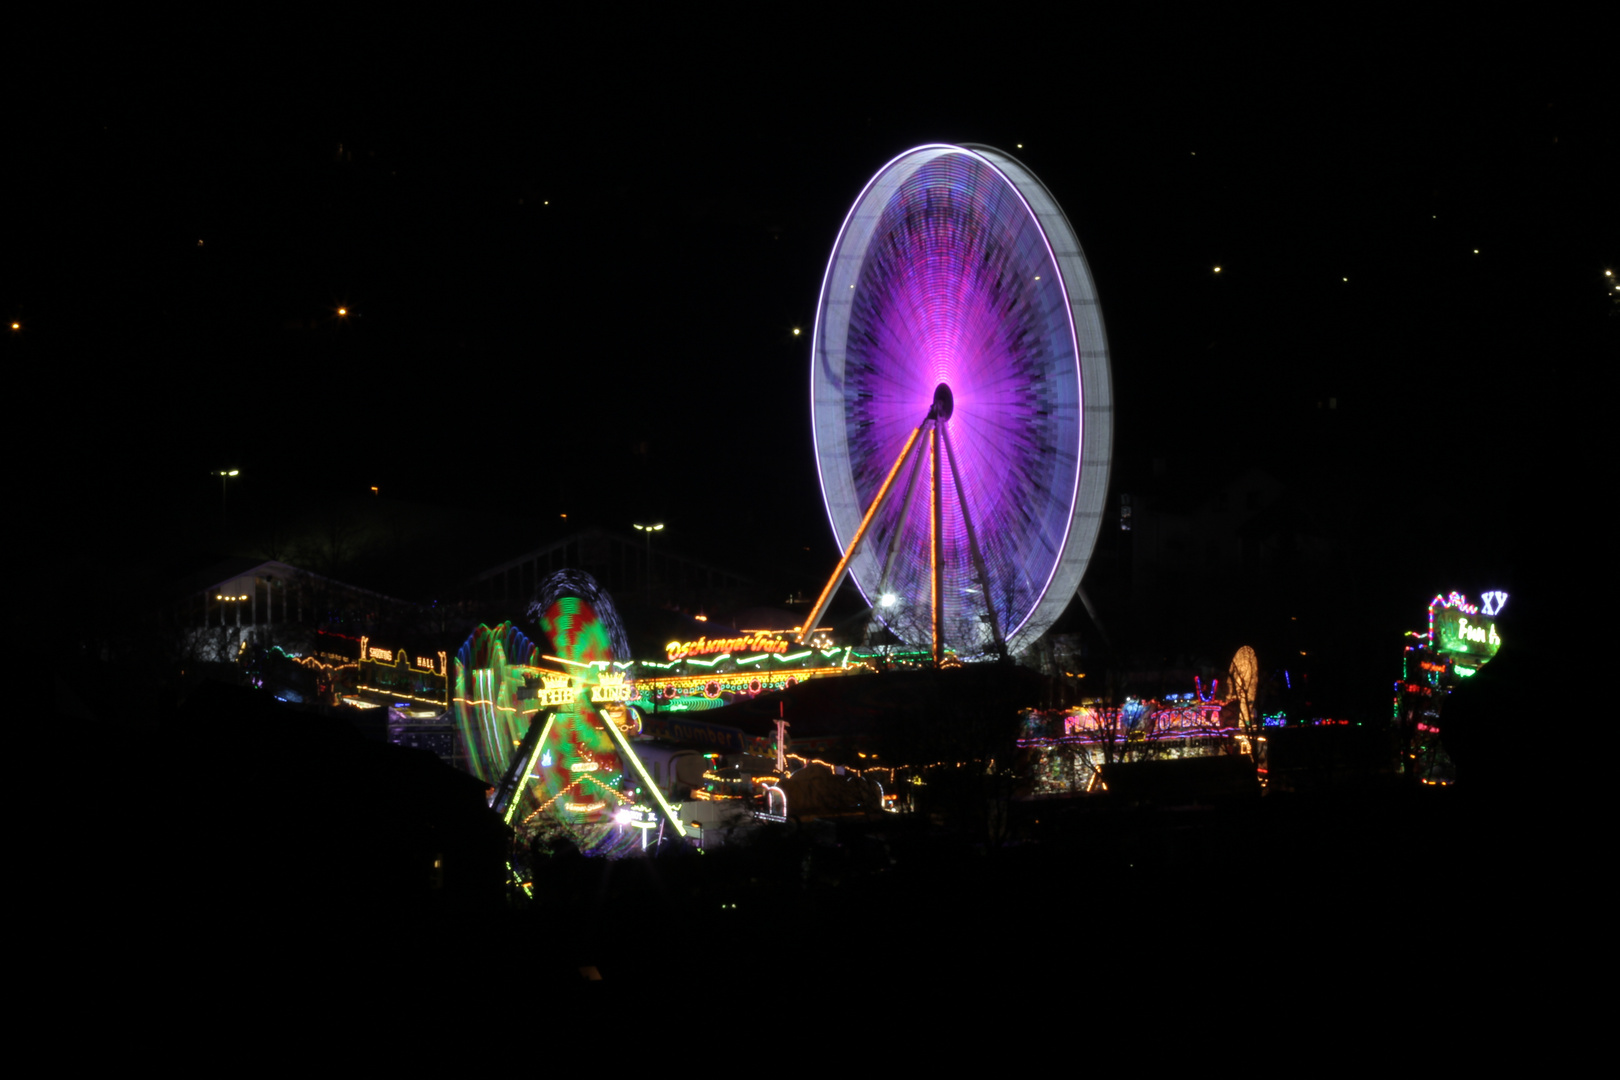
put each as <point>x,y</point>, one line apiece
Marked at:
<point>1606,273</point>
<point>18,325</point>
<point>795,331</point>
<point>1347,279</point>
<point>343,311</point>
<point>233,472</point>
<point>1020,146</point>
<point>889,599</point>
<point>1037,277</point>
<point>1217,269</point>
<point>199,243</point>
<point>1476,251</point>
<point>701,618</point>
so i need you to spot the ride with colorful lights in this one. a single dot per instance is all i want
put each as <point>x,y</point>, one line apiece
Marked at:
<point>961,403</point>
<point>1461,638</point>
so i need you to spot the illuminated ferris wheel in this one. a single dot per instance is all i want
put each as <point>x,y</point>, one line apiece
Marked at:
<point>961,402</point>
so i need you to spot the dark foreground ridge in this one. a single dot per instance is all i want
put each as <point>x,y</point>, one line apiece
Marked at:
<point>274,839</point>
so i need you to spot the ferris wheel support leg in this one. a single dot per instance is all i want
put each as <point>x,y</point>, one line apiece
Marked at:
<point>935,560</point>
<point>860,534</point>
<point>906,501</point>
<point>973,546</point>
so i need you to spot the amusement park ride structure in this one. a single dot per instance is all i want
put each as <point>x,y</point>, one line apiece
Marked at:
<point>958,328</point>
<point>957,331</point>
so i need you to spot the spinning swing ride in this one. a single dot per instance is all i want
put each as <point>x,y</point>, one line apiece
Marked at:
<point>550,732</point>
<point>959,348</point>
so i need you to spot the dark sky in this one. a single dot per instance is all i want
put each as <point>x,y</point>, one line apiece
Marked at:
<point>573,256</point>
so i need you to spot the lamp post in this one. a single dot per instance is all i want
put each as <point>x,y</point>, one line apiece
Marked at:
<point>224,476</point>
<point>649,530</point>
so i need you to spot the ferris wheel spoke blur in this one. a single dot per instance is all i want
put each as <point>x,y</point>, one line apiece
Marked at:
<point>960,394</point>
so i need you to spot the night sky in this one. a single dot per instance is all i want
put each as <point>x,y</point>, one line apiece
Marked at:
<point>573,257</point>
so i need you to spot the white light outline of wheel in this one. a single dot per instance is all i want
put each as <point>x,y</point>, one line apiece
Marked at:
<point>1086,344</point>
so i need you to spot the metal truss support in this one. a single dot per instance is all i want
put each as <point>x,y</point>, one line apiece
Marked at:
<point>973,546</point>
<point>860,534</point>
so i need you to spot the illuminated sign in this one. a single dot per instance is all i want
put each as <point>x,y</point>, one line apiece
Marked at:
<point>705,646</point>
<point>374,654</point>
<point>1459,631</point>
<point>637,817</point>
<point>1493,602</point>
<point>556,691</point>
<point>612,687</point>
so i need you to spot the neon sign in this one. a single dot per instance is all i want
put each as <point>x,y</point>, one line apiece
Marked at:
<point>706,646</point>
<point>1493,602</point>
<point>556,691</point>
<point>612,687</point>
<point>637,817</point>
<point>1456,632</point>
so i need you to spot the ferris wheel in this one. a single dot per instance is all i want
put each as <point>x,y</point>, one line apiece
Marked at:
<point>961,402</point>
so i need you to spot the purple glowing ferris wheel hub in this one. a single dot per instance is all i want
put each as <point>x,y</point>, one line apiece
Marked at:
<point>957,289</point>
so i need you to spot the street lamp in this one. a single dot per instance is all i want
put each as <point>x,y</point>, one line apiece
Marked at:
<point>223,477</point>
<point>649,530</point>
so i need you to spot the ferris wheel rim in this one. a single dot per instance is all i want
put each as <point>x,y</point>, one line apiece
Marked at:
<point>1087,364</point>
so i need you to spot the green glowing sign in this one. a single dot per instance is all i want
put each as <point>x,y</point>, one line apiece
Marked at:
<point>1472,635</point>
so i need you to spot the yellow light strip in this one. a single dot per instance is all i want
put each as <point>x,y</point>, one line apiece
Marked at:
<point>547,804</point>
<point>843,564</point>
<point>528,768</point>
<point>689,681</point>
<point>641,771</point>
<point>572,663</point>
<point>934,526</point>
<point>411,697</point>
